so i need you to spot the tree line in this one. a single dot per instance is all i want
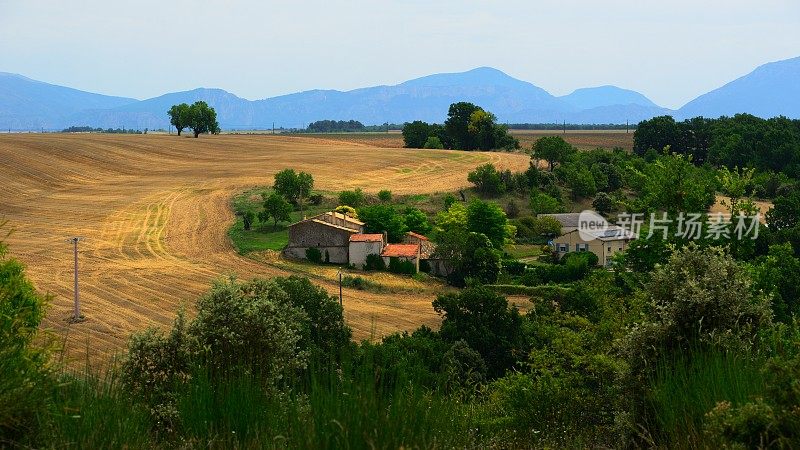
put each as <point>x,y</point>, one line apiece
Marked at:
<point>199,117</point>
<point>468,127</point>
<point>743,140</point>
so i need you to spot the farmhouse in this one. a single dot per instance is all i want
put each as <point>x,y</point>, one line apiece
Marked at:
<point>329,232</point>
<point>341,240</point>
<point>602,242</point>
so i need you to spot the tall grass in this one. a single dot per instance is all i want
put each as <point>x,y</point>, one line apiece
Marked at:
<point>689,384</point>
<point>327,407</point>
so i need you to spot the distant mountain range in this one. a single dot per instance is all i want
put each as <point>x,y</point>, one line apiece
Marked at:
<point>770,90</point>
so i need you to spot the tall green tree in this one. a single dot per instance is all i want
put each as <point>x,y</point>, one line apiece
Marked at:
<point>202,119</point>
<point>382,217</point>
<point>293,186</point>
<point>276,207</point>
<point>457,125</point>
<point>179,116</point>
<point>552,149</point>
<point>490,220</point>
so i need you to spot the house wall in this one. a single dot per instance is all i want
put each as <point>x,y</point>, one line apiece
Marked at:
<point>360,250</point>
<point>603,249</point>
<point>305,235</point>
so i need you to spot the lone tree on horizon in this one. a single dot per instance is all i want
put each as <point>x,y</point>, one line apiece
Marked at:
<point>200,117</point>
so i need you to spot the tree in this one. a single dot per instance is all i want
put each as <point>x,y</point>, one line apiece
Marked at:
<point>202,119</point>
<point>785,212</point>
<point>490,220</point>
<point>247,219</point>
<point>416,133</point>
<point>656,133</point>
<point>487,180</point>
<point>277,207</point>
<point>483,319</point>
<point>416,220</point>
<point>552,149</point>
<point>673,184</point>
<point>542,203</point>
<point>457,125</point>
<point>779,274</point>
<point>734,184</point>
<point>433,142</point>
<point>179,116</point>
<point>603,203</point>
<point>380,218</point>
<point>354,198</point>
<point>581,182</point>
<point>293,186</point>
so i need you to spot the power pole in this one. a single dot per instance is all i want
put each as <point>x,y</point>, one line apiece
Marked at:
<point>340,288</point>
<point>76,316</point>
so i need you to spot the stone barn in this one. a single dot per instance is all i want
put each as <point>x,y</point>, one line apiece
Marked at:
<point>328,232</point>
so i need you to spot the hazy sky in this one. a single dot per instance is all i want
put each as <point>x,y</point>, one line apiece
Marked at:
<point>671,51</point>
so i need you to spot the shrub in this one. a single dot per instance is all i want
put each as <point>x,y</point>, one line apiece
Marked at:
<point>401,266</point>
<point>512,209</point>
<point>487,180</point>
<point>542,203</point>
<point>346,210</point>
<point>385,195</point>
<point>314,255</point>
<point>353,198</point>
<point>247,219</point>
<point>374,262</point>
<point>433,142</point>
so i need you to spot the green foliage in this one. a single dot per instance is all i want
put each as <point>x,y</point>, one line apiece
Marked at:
<point>490,220</point>
<point>179,116</point>
<point>487,180</point>
<point>374,262</point>
<point>416,134</point>
<point>276,207</point>
<point>293,186</point>
<point>397,265</point>
<point>416,220</point>
<point>314,255</point>
<point>354,198</point>
<point>482,318</point>
<point>335,126</point>
<point>385,195</point>
<point>380,218</point>
<point>603,203</point>
<point>24,366</point>
<point>778,274</point>
<point>673,184</point>
<point>467,255</point>
<point>247,219</point>
<point>433,142</point>
<point>581,182</point>
<point>346,210</point>
<point>552,149</point>
<point>542,203</point>
<point>201,118</point>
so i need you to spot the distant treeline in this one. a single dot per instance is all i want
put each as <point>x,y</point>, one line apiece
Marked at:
<point>346,126</point>
<point>569,126</point>
<point>101,130</point>
<point>741,141</point>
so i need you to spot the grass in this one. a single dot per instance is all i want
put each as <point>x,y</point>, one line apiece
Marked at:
<point>686,387</point>
<point>524,251</point>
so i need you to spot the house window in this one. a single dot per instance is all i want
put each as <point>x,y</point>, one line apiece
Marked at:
<point>562,248</point>
<point>581,247</point>
<point>609,248</point>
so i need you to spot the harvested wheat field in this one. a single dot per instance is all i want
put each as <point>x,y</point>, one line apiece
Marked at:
<point>154,210</point>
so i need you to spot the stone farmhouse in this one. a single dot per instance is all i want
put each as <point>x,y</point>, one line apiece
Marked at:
<point>603,243</point>
<point>341,240</point>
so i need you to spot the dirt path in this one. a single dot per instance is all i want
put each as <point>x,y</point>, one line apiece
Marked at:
<point>155,211</point>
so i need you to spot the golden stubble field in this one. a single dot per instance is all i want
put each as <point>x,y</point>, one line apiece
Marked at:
<point>154,210</point>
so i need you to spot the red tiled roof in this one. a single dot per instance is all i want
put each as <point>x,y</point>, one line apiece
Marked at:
<point>417,235</point>
<point>401,250</point>
<point>366,237</point>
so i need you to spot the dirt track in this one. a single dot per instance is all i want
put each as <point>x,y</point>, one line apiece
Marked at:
<point>154,210</point>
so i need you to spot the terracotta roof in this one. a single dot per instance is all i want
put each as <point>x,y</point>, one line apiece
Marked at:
<point>366,237</point>
<point>401,250</point>
<point>416,235</point>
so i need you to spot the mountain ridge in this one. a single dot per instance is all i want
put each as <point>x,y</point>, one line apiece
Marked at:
<point>770,89</point>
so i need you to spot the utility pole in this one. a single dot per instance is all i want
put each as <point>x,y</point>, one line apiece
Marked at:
<point>340,288</point>
<point>76,316</point>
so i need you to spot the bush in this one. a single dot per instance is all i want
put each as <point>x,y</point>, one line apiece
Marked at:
<point>487,180</point>
<point>385,195</point>
<point>512,209</point>
<point>247,219</point>
<point>24,364</point>
<point>433,142</point>
<point>353,198</point>
<point>314,255</point>
<point>374,262</point>
<point>542,203</point>
<point>396,265</point>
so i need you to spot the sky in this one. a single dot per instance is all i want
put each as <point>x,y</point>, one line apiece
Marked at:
<point>671,51</point>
